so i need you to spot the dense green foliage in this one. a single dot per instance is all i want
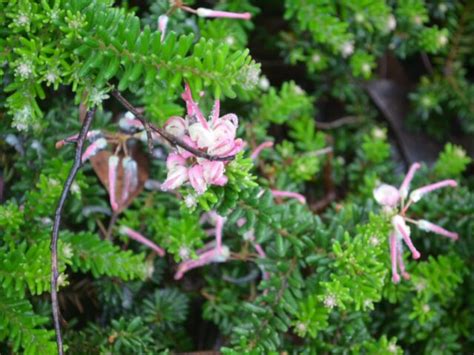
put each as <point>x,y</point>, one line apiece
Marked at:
<point>324,285</point>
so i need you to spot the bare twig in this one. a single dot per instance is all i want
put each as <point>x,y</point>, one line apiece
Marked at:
<point>427,63</point>
<point>169,137</point>
<point>57,222</point>
<point>112,222</point>
<point>338,123</point>
<point>329,187</point>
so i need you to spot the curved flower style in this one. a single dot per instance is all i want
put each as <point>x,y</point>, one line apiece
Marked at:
<point>210,253</point>
<point>390,197</point>
<point>215,136</point>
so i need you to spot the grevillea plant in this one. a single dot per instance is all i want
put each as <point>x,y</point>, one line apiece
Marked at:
<point>229,176</point>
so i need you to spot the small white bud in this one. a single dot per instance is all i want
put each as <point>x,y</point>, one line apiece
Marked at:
<point>366,68</point>
<point>184,253</point>
<point>129,116</point>
<point>203,12</point>
<point>264,83</point>
<point>347,49</point>
<point>442,7</point>
<point>24,70</point>
<point>359,17</point>
<point>62,280</point>
<point>190,201</point>
<point>299,90</point>
<point>101,143</point>
<point>330,301</point>
<point>374,241</point>
<point>398,221</point>
<point>223,255</point>
<point>301,328</point>
<point>391,23</point>
<point>417,20</point>
<point>75,188</point>
<point>230,40</point>
<point>23,20</point>
<point>416,196</point>
<point>442,40</point>
<point>379,133</point>
<point>67,251</point>
<point>249,235</point>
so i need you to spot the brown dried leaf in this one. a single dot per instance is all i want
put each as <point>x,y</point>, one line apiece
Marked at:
<point>391,99</point>
<point>100,164</point>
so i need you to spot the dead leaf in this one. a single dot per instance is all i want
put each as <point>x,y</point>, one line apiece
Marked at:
<point>392,101</point>
<point>100,164</point>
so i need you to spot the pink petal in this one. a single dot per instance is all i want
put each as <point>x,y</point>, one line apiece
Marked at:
<point>393,257</point>
<point>401,264</point>
<point>417,194</point>
<point>176,126</point>
<point>258,150</point>
<point>141,239</point>
<point>176,177</point>
<point>295,195</point>
<point>431,227</point>
<point>215,111</point>
<point>202,136</point>
<point>162,24</point>
<point>230,118</point>
<point>405,186</point>
<point>192,107</point>
<point>212,170</point>
<point>174,160</point>
<point>94,148</point>
<point>219,228</point>
<point>220,181</point>
<point>203,12</point>
<point>112,175</point>
<point>196,177</point>
<point>404,231</point>
<point>186,153</point>
<point>386,195</point>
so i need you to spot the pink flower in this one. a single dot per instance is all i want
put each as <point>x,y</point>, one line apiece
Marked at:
<point>199,174</point>
<point>390,197</point>
<point>141,239</point>
<point>301,199</point>
<point>217,253</point>
<point>258,150</point>
<point>91,136</point>
<point>203,12</point>
<point>162,24</point>
<point>129,123</point>
<point>209,13</point>
<point>215,136</point>
<point>207,257</point>
<point>130,180</point>
<point>94,148</point>
<point>112,175</point>
<point>387,195</point>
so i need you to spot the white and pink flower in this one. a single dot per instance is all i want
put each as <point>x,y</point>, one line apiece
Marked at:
<point>216,137</point>
<point>390,198</point>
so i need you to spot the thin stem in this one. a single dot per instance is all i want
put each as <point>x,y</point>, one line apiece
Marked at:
<point>113,220</point>
<point>57,222</point>
<point>427,63</point>
<point>338,123</point>
<point>169,137</point>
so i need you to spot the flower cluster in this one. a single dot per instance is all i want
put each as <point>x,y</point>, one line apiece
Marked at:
<point>390,198</point>
<point>215,137</point>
